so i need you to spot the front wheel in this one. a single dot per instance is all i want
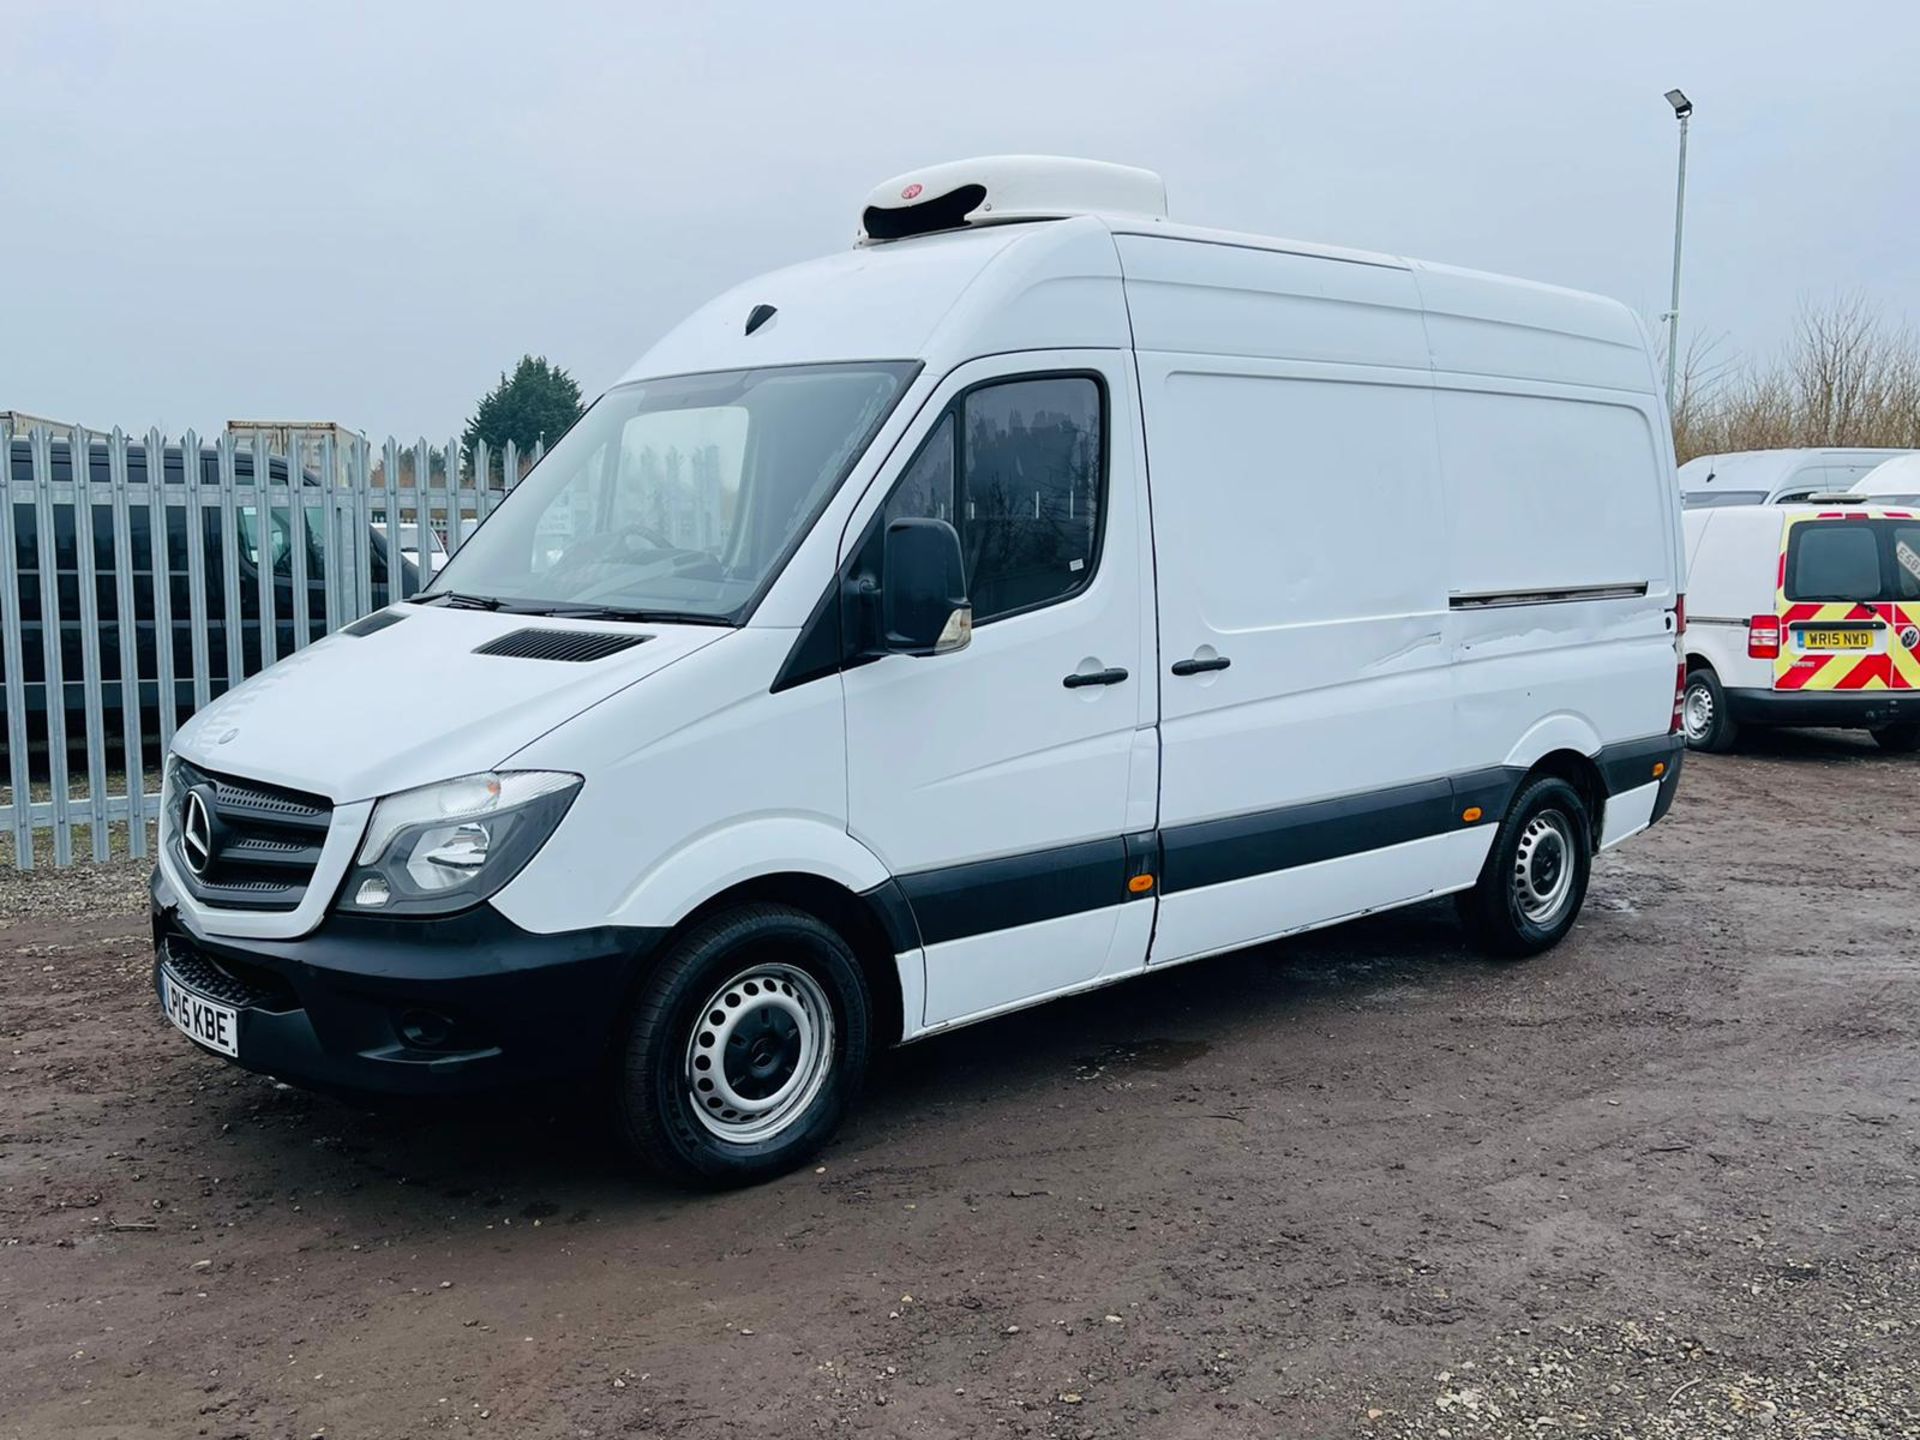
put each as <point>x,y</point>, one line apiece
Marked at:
<point>1703,714</point>
<point>1535,877</point>
<point>1901,739</point>
<point>744,1048</point>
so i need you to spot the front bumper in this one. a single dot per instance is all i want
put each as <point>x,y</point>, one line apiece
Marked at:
<point>1843,709</point>
<point>410,1007</point>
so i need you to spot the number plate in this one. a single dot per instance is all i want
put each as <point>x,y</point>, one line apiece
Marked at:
<point>215,1026</point>
<point>1836,639</point>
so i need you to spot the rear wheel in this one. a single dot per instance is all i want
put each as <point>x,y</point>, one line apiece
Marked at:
<point>745,1047</point>
<point>1704,717</point>
<point>1901,739</point>
<point>1535,878</point>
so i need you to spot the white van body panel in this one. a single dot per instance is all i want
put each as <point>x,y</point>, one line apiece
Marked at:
<point>1493,325</point>
<point>1628,814</point>
<point>1733,568</point>
<point>1506,590</point>
<point>695,786</point>
<point>1198,923</point>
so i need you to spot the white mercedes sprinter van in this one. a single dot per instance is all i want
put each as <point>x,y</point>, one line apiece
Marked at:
<point>1036,594</point>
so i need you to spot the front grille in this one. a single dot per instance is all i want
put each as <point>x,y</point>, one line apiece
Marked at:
<point>264,841</point>
<point>229,982</point>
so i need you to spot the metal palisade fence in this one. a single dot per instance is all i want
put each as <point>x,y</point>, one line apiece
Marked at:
<point>140,578</point>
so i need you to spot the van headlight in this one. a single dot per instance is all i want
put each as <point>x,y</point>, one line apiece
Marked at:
<point>448,846</point>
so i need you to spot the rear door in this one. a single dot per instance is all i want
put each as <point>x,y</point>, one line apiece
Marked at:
<point>1902,612</point>
<point>1849,602</point>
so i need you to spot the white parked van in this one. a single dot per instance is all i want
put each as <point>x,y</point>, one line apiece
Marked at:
<point>1774,477</point>
<point>1894,482</point>
<point>1036,594</point>
<point>1804,615</point>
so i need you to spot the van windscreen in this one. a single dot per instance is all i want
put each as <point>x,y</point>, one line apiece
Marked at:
<point>676,499</point>
<point>1861,560</point>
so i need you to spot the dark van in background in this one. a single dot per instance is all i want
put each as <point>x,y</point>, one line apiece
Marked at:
<point>228,606</point>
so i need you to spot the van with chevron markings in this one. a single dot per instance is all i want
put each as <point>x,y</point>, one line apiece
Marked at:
<point>1803,615</point>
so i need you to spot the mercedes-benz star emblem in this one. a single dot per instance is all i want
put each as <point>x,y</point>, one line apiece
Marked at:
<point>196,834</point>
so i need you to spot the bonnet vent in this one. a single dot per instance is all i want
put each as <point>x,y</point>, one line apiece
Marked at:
<point>370,624</point>
<point>578,646</point>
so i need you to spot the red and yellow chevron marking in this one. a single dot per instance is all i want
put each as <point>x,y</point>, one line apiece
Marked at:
<point>1834,670</point>
<point>1893,665</point>
<point>1903,660</point>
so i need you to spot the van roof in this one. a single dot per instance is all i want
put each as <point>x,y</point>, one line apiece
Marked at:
<point>1764,469</point>
<point>950,295</point>
<point>1898,476</point>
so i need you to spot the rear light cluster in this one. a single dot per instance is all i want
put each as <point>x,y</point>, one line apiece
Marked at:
<point>1680,665</point>
<point>1763,637</point>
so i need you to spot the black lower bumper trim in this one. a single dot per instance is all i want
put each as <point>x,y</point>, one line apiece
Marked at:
<point>411,1007</point>
<point>1844,709</point>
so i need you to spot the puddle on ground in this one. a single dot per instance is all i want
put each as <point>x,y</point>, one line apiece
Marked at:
<point>1161,1055</point>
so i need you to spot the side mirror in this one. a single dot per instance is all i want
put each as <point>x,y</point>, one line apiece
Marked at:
<point>923,598</point>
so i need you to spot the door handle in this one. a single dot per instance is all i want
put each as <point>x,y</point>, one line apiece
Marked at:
<point>1094,677</point>
<point>1200,667</point>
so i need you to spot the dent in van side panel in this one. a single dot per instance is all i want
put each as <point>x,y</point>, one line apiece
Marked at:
<point>685,794</point>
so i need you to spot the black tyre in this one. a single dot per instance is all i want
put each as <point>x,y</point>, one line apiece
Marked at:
<point>1704,717</point>
<point>1535,879</point>
<point>1901,739</point>
<point>744,1048</point>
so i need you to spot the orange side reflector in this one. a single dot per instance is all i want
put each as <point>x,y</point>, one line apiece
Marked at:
<point>1470,814</point>
<point>1659,769</point>
<point>1140,884</point>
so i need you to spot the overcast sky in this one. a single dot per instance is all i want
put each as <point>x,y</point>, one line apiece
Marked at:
<point>363,213</point>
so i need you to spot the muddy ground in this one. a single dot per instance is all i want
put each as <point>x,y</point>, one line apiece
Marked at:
<point>1662,1182</point>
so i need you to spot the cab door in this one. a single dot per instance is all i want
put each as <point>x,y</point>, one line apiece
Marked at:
<point>999,783</point>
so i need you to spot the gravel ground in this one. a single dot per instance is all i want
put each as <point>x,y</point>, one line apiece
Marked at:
<point>1659,1183</point>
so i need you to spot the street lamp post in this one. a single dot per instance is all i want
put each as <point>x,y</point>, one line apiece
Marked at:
<point>1683,111</point>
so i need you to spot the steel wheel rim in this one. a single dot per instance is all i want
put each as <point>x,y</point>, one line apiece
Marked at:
<point>1543,868</point>
<point>1696,713</point>
<point>761,1050</point>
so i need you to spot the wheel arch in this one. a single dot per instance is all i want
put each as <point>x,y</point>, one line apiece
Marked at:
<point>875,927</point>
<point>1581,772</point>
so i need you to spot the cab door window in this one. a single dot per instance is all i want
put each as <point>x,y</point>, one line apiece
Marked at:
<point>1018,467</point>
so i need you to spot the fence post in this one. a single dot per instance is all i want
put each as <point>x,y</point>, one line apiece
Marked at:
<point>12,655</point>
<point>298,590</point>
<point>132,747</point>
<point>165,682</point>
<point>263,563</point>
<point>41,446</point>
<point>232,625</point>
<point>87,592</point>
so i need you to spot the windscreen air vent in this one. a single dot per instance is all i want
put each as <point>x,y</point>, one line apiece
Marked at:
<point>370,624</point>
<point>576,646</point>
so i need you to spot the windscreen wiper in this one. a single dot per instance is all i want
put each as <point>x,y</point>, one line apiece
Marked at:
<point>623,612</point>
<point>454,600</point>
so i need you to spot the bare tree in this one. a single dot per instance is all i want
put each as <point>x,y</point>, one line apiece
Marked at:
<point>1848,376</point>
